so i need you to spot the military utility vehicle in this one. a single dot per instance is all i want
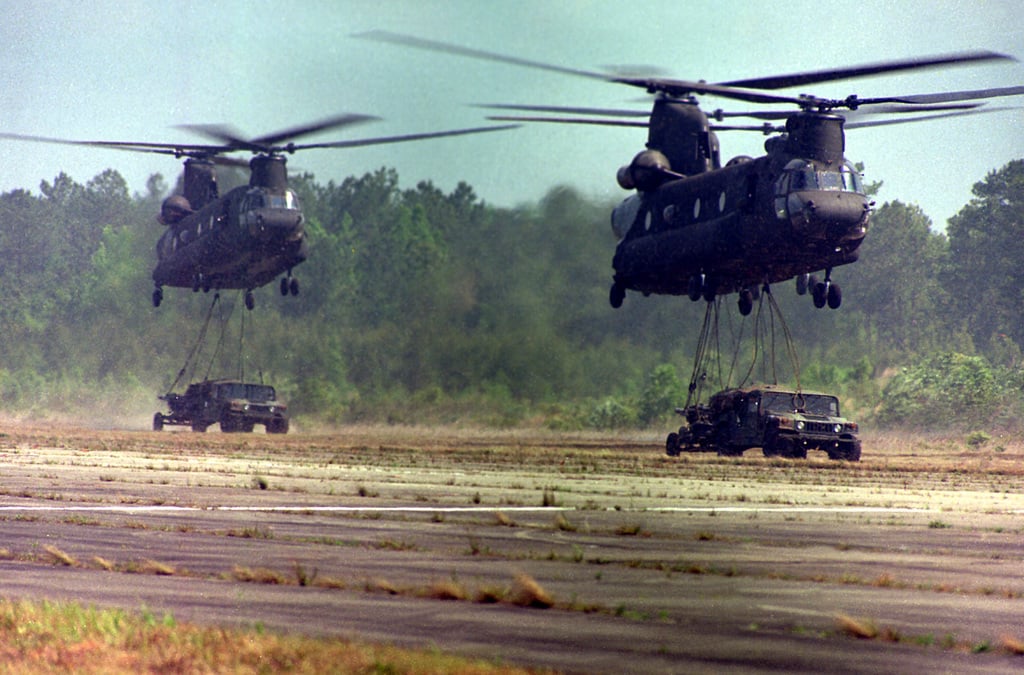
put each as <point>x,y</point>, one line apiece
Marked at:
<point>235,405</point>
<point>781,422</point>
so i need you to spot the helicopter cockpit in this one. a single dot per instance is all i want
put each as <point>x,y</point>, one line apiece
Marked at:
<point>799,195</point>
<point>271,214</point>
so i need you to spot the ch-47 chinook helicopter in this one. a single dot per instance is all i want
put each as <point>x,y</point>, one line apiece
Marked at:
<point>695,227</point>
<point>252,234</point>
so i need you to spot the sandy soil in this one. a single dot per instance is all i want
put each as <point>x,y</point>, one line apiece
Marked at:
<point>582,553</point>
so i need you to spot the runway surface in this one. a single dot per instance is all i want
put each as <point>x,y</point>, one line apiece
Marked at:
<point>580,553</point>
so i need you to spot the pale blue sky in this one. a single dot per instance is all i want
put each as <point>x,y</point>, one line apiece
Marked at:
<point>117,70</point>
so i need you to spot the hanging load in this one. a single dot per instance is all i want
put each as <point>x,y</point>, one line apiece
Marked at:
<point>235,405</point>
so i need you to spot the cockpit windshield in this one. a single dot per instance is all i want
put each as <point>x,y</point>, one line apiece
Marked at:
<point>804,176</point>
<point>260,198</point>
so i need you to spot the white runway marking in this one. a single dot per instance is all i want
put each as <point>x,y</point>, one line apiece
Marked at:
<point>135,508</point>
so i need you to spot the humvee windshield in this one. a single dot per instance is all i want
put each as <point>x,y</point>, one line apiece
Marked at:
<point>251,392</point>
<point>815,404</point>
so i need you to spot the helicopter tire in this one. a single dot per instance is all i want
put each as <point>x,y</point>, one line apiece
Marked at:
<point>746,302</point>
<point>158,422</point>
<point>803,281</point>
<point>250,300</point>
<point>293,286</point>
<point>820,295</point>
<point>616,295</point>
<point>835,296</point>
<point>694,288</point>
<point>284,285</point>
<point>158,297</point>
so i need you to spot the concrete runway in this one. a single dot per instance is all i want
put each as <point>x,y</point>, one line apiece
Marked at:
<point>653,565</point>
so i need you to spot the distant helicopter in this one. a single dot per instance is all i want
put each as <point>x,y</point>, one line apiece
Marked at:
<point>254,233</point>
<point>697,228</point>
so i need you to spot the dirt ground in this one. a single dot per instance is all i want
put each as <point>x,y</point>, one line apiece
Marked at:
<point>577,552</point>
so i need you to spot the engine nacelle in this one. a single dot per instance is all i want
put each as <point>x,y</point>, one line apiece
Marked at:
<point>625,214</point>
<point>174,209</point>
<point>648,170</point>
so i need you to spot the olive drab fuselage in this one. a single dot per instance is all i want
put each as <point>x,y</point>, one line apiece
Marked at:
<point>696,224</point>
<point>242,240</point>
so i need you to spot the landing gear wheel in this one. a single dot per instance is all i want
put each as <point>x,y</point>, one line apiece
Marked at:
<point>695,287</point>
<point>616,295</point>
<point>250,300</point>
<point>820,294</point>
<point>293,286</point>
<point>746,301</point>
<point>158,296</point>
<point>803,282</point>
<point>835,296</point>
<point>284,285</point>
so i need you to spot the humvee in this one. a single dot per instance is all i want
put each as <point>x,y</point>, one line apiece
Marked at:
<point>235,405</point>
<point>782,422</point>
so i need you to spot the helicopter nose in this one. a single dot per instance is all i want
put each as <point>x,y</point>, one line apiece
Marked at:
<point>275,225</point>
<point>829,214</point>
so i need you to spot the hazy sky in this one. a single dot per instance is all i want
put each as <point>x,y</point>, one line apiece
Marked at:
<point>121,70</point>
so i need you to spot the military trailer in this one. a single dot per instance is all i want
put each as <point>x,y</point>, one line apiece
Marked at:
<point>234,405</point>
<point>782,422</point>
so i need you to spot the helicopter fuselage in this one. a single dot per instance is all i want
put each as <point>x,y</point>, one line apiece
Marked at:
<point>242,240</point>
<point>797,210</point>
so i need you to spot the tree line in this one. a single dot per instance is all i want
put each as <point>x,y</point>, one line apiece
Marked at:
<point>425,306</point>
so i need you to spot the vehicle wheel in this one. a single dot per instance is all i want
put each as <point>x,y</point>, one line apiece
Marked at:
<point>250,300</point>
<point>852,453</point>
<point>277,426</point>
<point>158,422</point>
<point>284,285</point>
<point>616,295</point>
<point>672,445</point>
<point>293,286</point>
<point>198,427</point>
<point>835,296</point>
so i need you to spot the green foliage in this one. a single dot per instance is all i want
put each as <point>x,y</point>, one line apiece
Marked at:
<point>425,306</point>
<point>947,389</point>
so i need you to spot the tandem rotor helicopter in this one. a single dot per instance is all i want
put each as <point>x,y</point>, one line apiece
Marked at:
<point>695,227</point>
<point>252,234</point>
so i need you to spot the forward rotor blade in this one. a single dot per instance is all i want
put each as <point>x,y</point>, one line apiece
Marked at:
<point>681,88</point>
<point>356,143</point>
<point>176,149</point>
<point>834,74</point>
<point>444,47</point>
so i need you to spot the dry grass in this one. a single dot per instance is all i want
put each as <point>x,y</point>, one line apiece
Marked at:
<point>48,637</point>
<point>528,593</point>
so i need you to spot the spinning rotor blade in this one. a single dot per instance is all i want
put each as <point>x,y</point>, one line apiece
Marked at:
<point>444,47</point>
<point>923,118</point>
<point>570,120</point>
<point>356,143</point>
<point>337,122</point>
<point>176,150</point>
<point>834,74</point>
<point>611,112</point>
<point>945,97</point>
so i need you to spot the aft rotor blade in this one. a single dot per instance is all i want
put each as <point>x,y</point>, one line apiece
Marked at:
<point>336,122</point>
<point>569,110</point>
<point>864,70</point>
<point>571,120</point>
<point>356,143</point>
<point>923,118</point>
<point>946,97</point>
<point>480,54</point>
